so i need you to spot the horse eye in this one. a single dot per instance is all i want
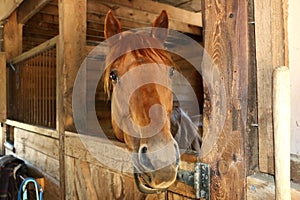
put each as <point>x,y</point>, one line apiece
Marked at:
<point>171,73</point>
<point>114,76</point>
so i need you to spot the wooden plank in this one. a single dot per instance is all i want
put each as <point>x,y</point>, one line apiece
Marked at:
<point>251,138</point>
<point>174,196</point>
<point>142,17</point>
<point>89,181</point>
<point>226,41</point>
<point>12,37</point>
<point>42,47</point>
<point>46,145</point>
<point>262,187</point>
<point>3,98</point>
<point>270,40</point>
<point>7,7</point>
<point>156,7</point>
<point>29,8</point>
<point>72,20</point>
<point>36,129</point>
<point>38,159</point>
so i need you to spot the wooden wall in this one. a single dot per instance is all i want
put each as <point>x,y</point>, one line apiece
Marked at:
<point>40,148</point>
<point>271,52</point>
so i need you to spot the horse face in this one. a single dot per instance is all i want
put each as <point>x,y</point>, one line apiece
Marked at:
<point>142,104</point>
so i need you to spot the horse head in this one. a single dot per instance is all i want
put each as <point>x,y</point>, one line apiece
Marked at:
<point>142,100</point>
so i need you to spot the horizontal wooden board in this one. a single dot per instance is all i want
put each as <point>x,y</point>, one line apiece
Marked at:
<point>40,160</point>
<point>47,145</point>
<point>88,181</point>
<point>36,129</point>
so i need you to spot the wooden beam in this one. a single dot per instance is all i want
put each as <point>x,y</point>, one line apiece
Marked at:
<point>35,129</point>
<point>12,37</point>
<point>7,7</point>
<point>143,17</point>
<point>251,138</point>
<point>3,101</point>
<point>70,54</point>
<point>153,7</point>
<point>226,41</point>
<point>29,8</point>
<point>42,47</point>
<point>271,52</point>
<point>3,98</point>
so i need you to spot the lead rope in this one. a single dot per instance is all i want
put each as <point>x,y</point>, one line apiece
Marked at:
<point>22,193</point>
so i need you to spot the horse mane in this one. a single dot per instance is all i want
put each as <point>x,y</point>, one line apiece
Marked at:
<point>131,40</point>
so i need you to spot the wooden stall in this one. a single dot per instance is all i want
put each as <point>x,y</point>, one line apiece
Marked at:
<point>46,41</point>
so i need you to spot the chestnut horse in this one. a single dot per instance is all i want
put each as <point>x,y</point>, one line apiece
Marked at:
<point>156,153</point>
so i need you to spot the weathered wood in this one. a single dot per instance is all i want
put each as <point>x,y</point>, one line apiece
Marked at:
<point>262,187</point>
<point>42,47</point>
<point>12,37</point>
<point>7,7</point>
<point>156,7</point>
<point>47,145</point>
<point>3,102</point>
<point>251,138</point>
<point>271,52</point>
<point>226,41</point>
<point>36,155</point>
<point>174,196</point>
<point>282,121</point>
<point>140,16</point>
<point>71,51</point>
<point>2,138</point>
<point>29,8</point>
<point>32,128</point>
<point>86,180</point>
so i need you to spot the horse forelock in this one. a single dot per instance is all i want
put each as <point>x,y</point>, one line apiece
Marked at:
<point>137,45</point>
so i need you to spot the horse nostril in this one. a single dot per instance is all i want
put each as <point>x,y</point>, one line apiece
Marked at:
<point>144,149</point>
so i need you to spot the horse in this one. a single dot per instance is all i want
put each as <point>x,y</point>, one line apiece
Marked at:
<point>156,154</point>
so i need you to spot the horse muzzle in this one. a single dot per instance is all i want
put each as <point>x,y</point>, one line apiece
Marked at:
<point>150,180</point>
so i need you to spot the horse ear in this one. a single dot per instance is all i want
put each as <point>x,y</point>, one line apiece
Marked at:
<point>112,25</point>
<point>160,26</point>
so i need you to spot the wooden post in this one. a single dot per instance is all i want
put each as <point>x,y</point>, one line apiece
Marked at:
<point>3,102</point>
<point>70,54</point>
<point>271,51</point>
<point>226,40</point>
<point>281,116</point>
<point>12,37</point>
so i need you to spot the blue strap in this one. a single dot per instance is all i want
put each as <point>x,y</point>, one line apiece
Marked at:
<point>22,193</point>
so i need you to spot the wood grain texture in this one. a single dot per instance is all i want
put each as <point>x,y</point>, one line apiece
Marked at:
<point>71,51</point>
<point>29,9</point>
<point>270,37</point>
<point>251,138</point>
<point>37,152</point>
<point>226,41</point>
<point>145,17</point>
<point>12,37</point>
<point>89,181</point>
<point>3,99</point>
